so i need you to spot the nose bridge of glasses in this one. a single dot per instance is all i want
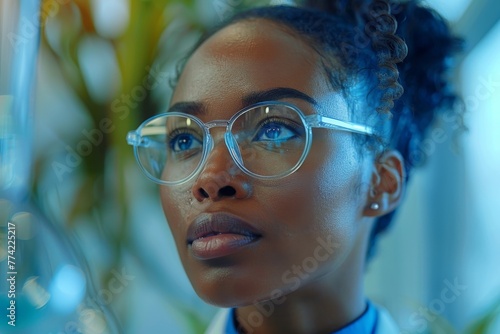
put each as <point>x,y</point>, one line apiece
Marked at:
<point>223,137</point>
<point>214,139</point>
<point>217,124</point>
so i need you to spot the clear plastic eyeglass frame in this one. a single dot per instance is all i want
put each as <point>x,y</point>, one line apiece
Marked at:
<point>135,138</point>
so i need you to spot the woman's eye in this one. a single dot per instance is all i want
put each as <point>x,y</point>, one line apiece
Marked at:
<point>276,131</point>
<point>184,142</point>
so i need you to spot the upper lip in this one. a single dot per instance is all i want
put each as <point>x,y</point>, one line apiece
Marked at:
<point>207,224</point>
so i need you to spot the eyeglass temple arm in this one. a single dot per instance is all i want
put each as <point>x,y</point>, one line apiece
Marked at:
<point>319,121</point>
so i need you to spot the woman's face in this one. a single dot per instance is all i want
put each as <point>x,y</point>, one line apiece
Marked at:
<point>275,236</point>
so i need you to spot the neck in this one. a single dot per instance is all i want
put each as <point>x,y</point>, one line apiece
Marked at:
<point>318,315</point>
<point>323,306</point>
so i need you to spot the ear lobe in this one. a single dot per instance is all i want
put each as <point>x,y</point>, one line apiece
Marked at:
<point>388,184</point>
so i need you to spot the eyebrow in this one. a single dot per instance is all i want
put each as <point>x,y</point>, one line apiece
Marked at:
<point>280,93</point>
<point>277,94</point>
<point>192,108</point>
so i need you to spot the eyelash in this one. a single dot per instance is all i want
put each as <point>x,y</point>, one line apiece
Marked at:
<point>290,125</point>
<point>181,131</point>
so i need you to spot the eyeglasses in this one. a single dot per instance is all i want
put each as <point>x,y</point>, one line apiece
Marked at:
<point>267,140</point>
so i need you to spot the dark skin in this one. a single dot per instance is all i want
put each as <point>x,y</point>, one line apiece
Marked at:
<point>327,199</point>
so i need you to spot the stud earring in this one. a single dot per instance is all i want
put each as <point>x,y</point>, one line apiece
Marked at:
<point>374,206</point>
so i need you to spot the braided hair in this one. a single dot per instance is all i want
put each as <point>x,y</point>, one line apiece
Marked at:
<point>392,57</point>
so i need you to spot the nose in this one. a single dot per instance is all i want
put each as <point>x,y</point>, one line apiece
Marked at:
<point>221,178</point>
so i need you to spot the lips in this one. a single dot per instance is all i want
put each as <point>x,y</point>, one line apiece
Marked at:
<point>213,235</point>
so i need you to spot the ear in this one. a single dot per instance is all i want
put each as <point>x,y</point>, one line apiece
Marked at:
<point>387,184</point>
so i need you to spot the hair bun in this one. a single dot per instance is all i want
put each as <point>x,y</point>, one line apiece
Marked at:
<point>424,73</point>
<point>374,19</point>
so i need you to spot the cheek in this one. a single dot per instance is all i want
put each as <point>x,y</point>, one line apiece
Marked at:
<point>337,181</point>
<point>339,167</point>
<point>324,200</point>
<point>319,204</point>
<point>176,203</point>
<point>327,188</point>
<point>336,198</point>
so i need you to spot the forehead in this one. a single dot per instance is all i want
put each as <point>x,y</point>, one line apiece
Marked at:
<point>250,56</point>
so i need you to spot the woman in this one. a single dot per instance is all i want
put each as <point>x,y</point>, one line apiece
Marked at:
<point>285,152</point>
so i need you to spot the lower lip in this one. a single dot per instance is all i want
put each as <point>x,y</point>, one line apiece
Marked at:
<point>220,245</point>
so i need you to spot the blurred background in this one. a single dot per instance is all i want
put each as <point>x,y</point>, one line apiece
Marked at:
<point>104,66</point>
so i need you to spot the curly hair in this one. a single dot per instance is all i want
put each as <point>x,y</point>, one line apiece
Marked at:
<point>394,57</point>
<point>429,95</point>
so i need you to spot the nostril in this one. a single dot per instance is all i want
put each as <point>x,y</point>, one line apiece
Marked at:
<point>203,193</point>
<point>227,191</point>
